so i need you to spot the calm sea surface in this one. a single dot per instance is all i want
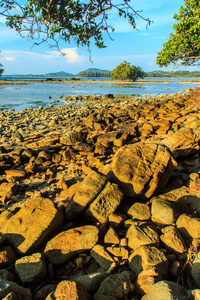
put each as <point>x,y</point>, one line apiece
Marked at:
<point>38,94</point>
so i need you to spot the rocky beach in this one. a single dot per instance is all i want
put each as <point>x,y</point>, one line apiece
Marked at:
<point>101,200</point>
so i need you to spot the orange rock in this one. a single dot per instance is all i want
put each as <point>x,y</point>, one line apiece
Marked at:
<point>7,190</point>
<point>69,193</point>
<point>72,290</point>
<point>15,173</point>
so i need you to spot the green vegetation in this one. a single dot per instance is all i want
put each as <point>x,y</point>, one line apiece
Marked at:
<point>184,45</point>
<point>1,69</point>
<point>93,72</point>
<point>193,74</point>
<point>59,74</point>
<point>126,71</point>
<point>44,20</point>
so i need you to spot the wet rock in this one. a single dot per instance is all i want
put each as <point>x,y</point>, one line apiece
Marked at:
<point>142,235</point>
<point>71,242</point>
<point>167,290</point>
<point>146,257</point>
<point>116,286</point>
<point>106,203</point>
<point>141,169</point>
<point>32,224</point>
<point>86,193</point>
<point>31,268</point>
<point>164,212</point>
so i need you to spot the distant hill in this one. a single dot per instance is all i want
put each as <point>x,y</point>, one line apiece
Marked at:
<point>171,74</point>
<point>59,74</point>
<point>94,72</point>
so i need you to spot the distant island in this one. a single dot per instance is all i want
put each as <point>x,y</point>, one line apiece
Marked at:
<point>173,74</point>
<point>98,73</point>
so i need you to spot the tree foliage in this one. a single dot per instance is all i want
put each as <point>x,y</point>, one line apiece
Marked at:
<point>44,20</point>
<point>126,71</point>
<point>184,44</point>
<point>171,74</point>
<point>1,69</point>
<point>91,74</point>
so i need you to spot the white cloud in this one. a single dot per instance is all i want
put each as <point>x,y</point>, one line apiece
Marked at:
<point>70,55</point>
<point>30,62</point>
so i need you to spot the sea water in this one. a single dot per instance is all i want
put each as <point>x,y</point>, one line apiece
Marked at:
<point>37,94</point>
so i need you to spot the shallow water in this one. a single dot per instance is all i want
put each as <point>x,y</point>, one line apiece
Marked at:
<point>38,94</point>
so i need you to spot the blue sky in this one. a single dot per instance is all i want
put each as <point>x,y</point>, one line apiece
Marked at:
<point>139,47</point>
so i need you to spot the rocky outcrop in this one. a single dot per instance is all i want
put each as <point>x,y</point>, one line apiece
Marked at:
<point>71,242</point>
<point>140,169</point>
<point>106,203</point>
<point>89,189</point>
<point>32,225</point>
<point>93,203</point>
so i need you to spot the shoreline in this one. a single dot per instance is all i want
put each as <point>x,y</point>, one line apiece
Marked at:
<point>56,161</point>
<point>27,82</point>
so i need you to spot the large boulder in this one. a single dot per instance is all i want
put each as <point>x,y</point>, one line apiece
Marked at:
<point>86,193</point>
<point>71,242</point>
<point>140,169</point>
<point>183,143</point>
<point>106,203</point>
<point>32,225</point>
